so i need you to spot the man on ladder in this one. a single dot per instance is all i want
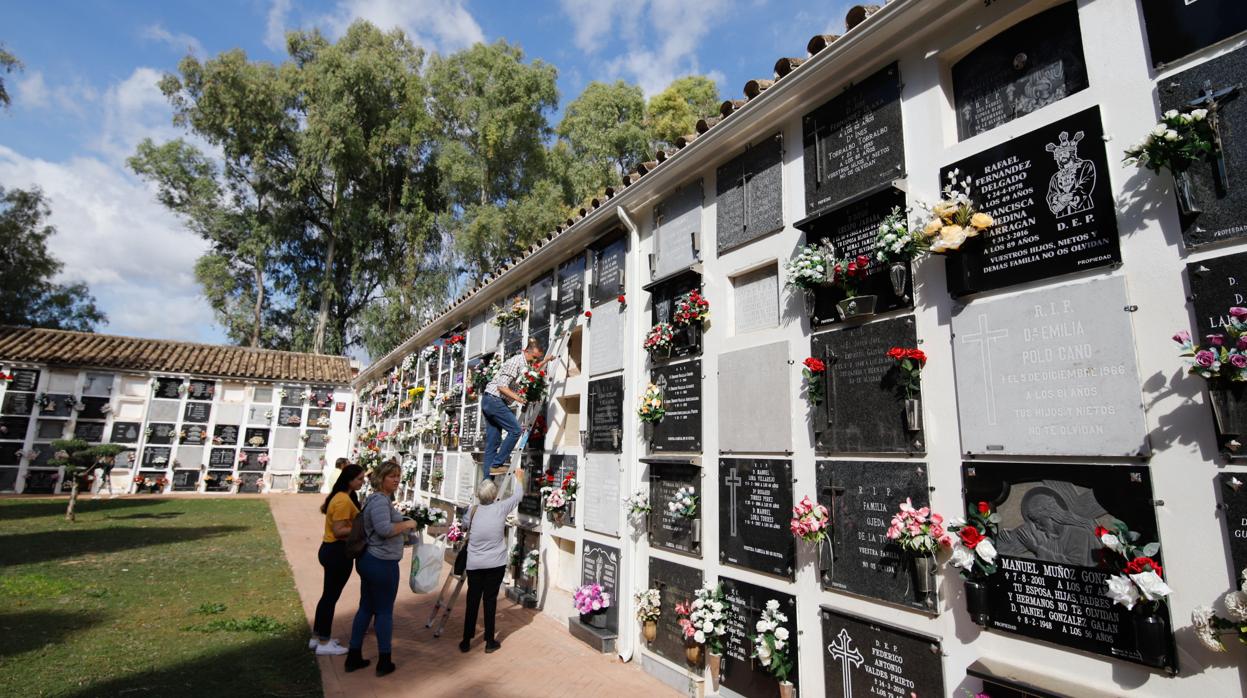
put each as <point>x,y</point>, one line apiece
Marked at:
<point>500,393</point>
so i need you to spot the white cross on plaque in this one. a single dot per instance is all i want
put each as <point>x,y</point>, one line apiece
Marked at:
<point>983,338</point>
<point>733,481</point>
<point>844,651</point>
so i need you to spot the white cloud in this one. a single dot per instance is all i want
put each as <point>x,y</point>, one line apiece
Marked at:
<point>178,42</point>
<point>32,91</point>
<point>275,26</point>
<point>439,25</point>
<point>134,109</point>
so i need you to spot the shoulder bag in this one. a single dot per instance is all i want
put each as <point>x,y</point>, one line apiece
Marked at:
<point>461,559</point>
<point>357,540</point>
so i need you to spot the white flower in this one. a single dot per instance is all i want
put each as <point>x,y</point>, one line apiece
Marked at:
<point>1159,130</point>
<point>707,627</point>
<point>1152,586</point>
<point>1201,618</point>
<point>1243,574</point>
<point>781,633</point>
<point>1122,591</point>
<point>1111,542</point>
<point>986,550</point>
<point>962,557</point>
<point>779,644</point>
<point>699,637</point>
<point>1199,114</point>
<point>1236,604</point>
<point>760,626</point>
<point>1171,135</point>
<point>1171,113</point>
<point>772,605</point>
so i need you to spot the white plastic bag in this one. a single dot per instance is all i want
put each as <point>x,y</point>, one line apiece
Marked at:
<point>426,567</point>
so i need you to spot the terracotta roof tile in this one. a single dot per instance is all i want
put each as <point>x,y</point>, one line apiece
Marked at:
<point>786,65</point>
<point>858,14</point>
<point>753,88</point>
<point>819,42</point>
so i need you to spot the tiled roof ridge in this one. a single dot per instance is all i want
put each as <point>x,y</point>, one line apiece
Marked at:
<point>176,342</point>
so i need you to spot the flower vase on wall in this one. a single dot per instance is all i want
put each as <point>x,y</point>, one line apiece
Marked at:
<point>976,602</point>
<point>714,662</point>
<point>1184,191</point>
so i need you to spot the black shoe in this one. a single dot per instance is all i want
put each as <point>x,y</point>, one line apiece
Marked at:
<point>384,665</point>
<point>465,646</point>
<point>492,646</point>
<point>355,660</point>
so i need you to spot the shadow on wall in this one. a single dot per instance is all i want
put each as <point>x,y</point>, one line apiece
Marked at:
<point>29,548</point>
<point>27,631</point>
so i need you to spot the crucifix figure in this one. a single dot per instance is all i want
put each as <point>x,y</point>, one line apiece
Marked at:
<point>844,651</point>
<point>1212,100</point>
<point>983,338</point>
<point>733,482</point>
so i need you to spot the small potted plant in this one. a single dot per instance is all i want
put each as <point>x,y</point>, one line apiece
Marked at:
<point>659,340</point>
<point>897,246</point>
<point>1209,626</point>
<point>974,554</point>
<point>909,365</point>
<point>591,602</point>
<point>920,532</point>
<point>1138,586</point>
<point>708,618</point>
<point>1222,362</point>
<point>810,522</point>
<point>1180,140</point>
<point>648,610</point>
<point>692,648</point>
<point>955,218</point>
<point>847,275</point>
<point>771,647</point>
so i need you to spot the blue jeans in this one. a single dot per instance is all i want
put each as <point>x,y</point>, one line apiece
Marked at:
<point>378,585</point>
<point>498,418</point>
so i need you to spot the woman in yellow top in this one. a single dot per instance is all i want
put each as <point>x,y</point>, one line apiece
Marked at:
<point>340,509</point>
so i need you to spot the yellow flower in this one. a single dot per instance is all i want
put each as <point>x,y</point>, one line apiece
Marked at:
<point>949,233</point>
<point>933,227</point>
<point>944,210</point>
<point>982,221</point>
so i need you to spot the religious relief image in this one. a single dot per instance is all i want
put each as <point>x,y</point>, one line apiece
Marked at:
<point>1053,521</point>
<point>1070,187</point>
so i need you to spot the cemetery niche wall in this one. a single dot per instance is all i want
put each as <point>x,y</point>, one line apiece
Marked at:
<point>669,529</point>
<point>749,200</point>
<point>680,429</point>
<point>676,584</point>
<point>742,674</point>
<point>755,504</point>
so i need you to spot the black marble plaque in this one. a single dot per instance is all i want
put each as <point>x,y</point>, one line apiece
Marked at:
<point>24,380</point>
<point>41,481</point>
<point>599,564</point>
<point>310,483</point>
<point>854,143</point>
<point>470,430</point>
<point>540,300</point>
<point>1049,194</point>
<point>125,433</point>
<point>198,412</point>
<point>1217,284</point>
<point>609,262</point>
<point>443,383</point>
<point>18,403</point>
<point>321,397</point>
<point>201,389</point>
<point>194,434</point>
<point>1024,68</point>
<point>58,405</point>
<point>8,479</point>
<point>1234,509</point>
<point>666,529</point>
<point>1177,28</point>
<point>293,396</point>
<point>317,417</point>
<point>316,438</point>
<point>250,482</point>
<point>755,506</point>
<point>676,584</point>
<point>255,438</point>
<point>215,481</point>
<point>253,460</point>
<point>426,471</point>
<point>50,429</point>
<point>10,453</point>
<point>680,428</point>
<point>157,456</point>
<point>169,388</point>
<point>93,408</point>
<point>14,428</point>
<point>530,502</point>
<point>512,337</point>
<point>290,417</point>
<point>185,480</point>
<point>686,339</point>
<point>864,408</point>
<point>225,434</point>
<point>91,432</point>
<point>750,194</point>
<point>606,409</point>
<point>43,454</point>
<point>745,603</point>
<point>852,229</point>
<point>160,433</point>
<point>221,458</point>
<point>1223,208</point>
<point>541,334</point>
<point>1053,569</point>
<point>861,498</point>
<point>571,288</point>
<point>862,657</point>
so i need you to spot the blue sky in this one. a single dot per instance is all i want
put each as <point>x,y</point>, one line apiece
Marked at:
<point>87,96</point>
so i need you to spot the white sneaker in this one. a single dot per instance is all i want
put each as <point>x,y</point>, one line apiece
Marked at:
<point>331,648</point>
<point>313,643</point>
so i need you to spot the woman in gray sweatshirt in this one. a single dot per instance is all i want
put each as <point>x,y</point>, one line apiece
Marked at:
<point>378,568</point>
<point>487,556</point>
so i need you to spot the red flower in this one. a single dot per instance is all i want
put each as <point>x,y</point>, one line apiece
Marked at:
<point>1142,564</point>
<point>984,507</point>
<point>621,299</point>
<point>896,353</point>
<point>863,260</point>
<point>917,355</point>
<point>1100,531</point>
<point>815,365</point>
<point>970,536</point>
<point>588,313</point>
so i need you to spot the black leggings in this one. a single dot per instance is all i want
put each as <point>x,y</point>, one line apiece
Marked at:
<point>482,583</point>
<point>337,573</point>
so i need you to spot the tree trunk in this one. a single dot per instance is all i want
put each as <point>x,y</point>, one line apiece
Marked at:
<point>322,318</point>
<point>73,499</point>
<point>259,306</point>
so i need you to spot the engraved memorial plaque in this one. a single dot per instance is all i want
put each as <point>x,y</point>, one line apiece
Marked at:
<point>676,584</point>
<point>606,409</point>
<point>316,438</point>
<point>252,461</point>
<point>199,412</point>
<point>755,506</point>
<point>745,602</point>
<point>91,432</point>
<point>599,493</point>
<point>94,408</point>
<point>608,270</point>
<point>606,338</point>
<point>677,230</point>
<point>540,302</point>
<point>290,417</point>
<point>225,435</point>
<point>317,417</point>
<point>668,529</point>
<point>291,395</point>
<point>18,403</point>
<point>680,428</point>
<point>256,438</point>
<point>24,380</point>
<point>571,288</point>
<point>221,458</point>
<point>157,456</point>
<point>14,428</point>
<point>196,434</point>
<point>169,388</point>
<point>750,194</point>
<point>124,433</point>
<point>862,657</point>
<point>161,433</point>
<point>755,297</point>
<point>201,389</point>
<point>50,429</point>
<point>185,480</point>
<point>686,339</point>
<point>1234,510</point>
<point>599,564</point>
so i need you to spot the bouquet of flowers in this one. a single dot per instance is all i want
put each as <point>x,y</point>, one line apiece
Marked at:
<point>425,516</point>
<point>638,504</point>
<point>405,509</point>
<point>682,613</point>
<point>810,521</point>
<point>910,363</point>
<point>558,496</point>
<point>1209,627</point>
<point>647,605</point>
<point>455,343</point>
<point>770,645</point>
<point>808,269</point>
<point>455,534</point>
<point>428,353</point>
<point>262,459</point>
<point>846,274</point>
<point>532,563</point>
<point>651,408</point>
<point>408,363</point>
<point>974,552</point>
<point>1137,581</point>
<point>684,503</point>
<point>690,308</point>
<point>812,369</point>
<point>590,598</point>
<point>955,218</point>
<point>708,617</point>
<point>1174,144</point>
<point>919,530</point>
<point>1224,358</point>
<point>517,309</point>
<point>895,242</point>
<point>242,456</point>
<point>659,338</point>
<point>532,384</point>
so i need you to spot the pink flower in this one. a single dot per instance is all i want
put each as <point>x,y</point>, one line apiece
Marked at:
<point>1242,342</point>
<point>1182,337</point>
<point>1238,361</point>
<point>1216,340</point>
<point>1238,312</point>
<point>1205,358</point>
<point>894,532</point>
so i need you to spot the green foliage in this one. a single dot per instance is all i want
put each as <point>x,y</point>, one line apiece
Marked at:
<point>605,127</point>
<point>35,586</point>
<point>8,64</point>
<point>674,111</point>
<point>28,296</point>
<point>210,609</point>
<point>251,624</point>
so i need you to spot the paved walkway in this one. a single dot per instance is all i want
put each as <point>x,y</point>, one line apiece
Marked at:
<point>538,656</point>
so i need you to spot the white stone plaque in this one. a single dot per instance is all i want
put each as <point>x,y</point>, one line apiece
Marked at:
<point>259,414</point>
<point>606,338</point>
<point>677,223</point>
<point>229,414</point>
<point>135,386</point>
<point>190,457</point>
<point>98,384</point>
<point>450,474</point>
<point>1050,371</point>
<point>285,437</point>
<point>233,392</point>
<point>755,412</point>
<point>756,296</point>
<point>61,382</point>
<point>493,335</point>
<point>476,336</point>
<point>600,503</point>
<point>163,411</point>
<point>282,459</point>
<point>469,475</point>
<point>129,411</point>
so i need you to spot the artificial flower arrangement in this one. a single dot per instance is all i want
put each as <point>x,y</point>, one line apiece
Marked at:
<point>1137,585</point>
<point>910,363</point>
<point>484,373</point>
<point>517,309</point>
<point>532,563</point>
<point>651,408</point>
<point>812,370</point>
<point>455,534</point>
<point>262,459</point>
<point>45,402</point>
<point>974,554</point>
<point>1177,142</point>
<point>708,620</point>
<point>324,401</point>
<point>590,599</point>
<point>428,353</point>
<point>256,441</point>
<point>1224,358</point>
<point>408,363</point>
<point>306,395</point>
<point>242,456</point>
<point>808,269</point>
<point>918,530</point>
<point>1209,626</point>
<point>955,218</point>
<point>810,521</point>
<point>7,376</point>
<point>770,645</point>
<point>557,497</point>
<point>268,415</point>
<point>896,242</point>
<point>638,504</point>
<point>323,421</point>
<point>281,393</point>
<point>659,339</point>
<point>848,274</point>
<point>455,343</point>
<point>684,503</point>
<point>690,308</point>
<point>648,605</point>
<point>293,420</point>
<point>623,301</point>
<point>532,384</point>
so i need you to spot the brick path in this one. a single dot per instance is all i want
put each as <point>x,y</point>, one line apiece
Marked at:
<point>538,656</point>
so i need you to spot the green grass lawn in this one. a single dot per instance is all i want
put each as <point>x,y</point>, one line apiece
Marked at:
<point>149,597</point>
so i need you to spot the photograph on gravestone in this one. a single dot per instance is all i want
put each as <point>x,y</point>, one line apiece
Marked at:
<point>680,428</point>
<point>91,432</point>
<point>1049,194</point>
<point>600,564</point>
<point>854,142</point>
<point>24,380</point>
<point>606,409</point>
<point>864,402</point>
<point>1024,68</point>
<point>1052,579</point>
<point>221,458</point>
<point>755,506</point>
<point>599,493</point>
<point>1178,29</point>
<point>161,433</point>
<point>540,295</point>
<point>530,502</point>
<point>225,434</point>
<point>609,259</point>
<point>124,433</point>
<point>290,417</point>
<point>750,194</point>
<point>156,456</point>
<point>861,497</point>
<point>14,428</point>
<point>201,389</point>
<point>686,339</point>
<point>755,414</point>
<point>1233,506</point>
<point>864,658</point>
<point>677,231</point>
<point>851,230</point>
<point>93,408</point>
<point>742,674</point>
<point>676,584</point>
<point>571,288</point>
<point>668,529</point>
<point>199,412</point>
<point>256,438</point>
<point>319,417</point>
<point>1216,184</point>
<point>18,403</point>
<point>169,388</point>
<point>1050,371</point>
